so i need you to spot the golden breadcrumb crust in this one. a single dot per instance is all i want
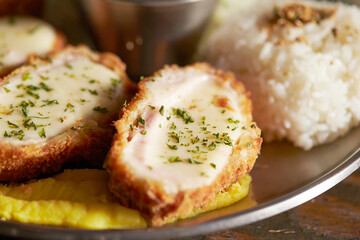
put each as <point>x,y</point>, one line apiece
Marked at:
<point>149,197</point>
<point>86,147</point>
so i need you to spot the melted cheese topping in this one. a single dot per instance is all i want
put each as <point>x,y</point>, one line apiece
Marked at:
<point>56,97</point>
<point>188,133</point>
<point>22,36</point>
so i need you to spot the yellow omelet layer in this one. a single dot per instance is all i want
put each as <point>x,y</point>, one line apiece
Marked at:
<point>80,198</point>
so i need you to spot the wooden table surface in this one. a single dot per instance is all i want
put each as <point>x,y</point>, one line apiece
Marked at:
<point>334,215</point>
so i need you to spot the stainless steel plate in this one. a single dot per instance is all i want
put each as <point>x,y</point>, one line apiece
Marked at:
<point>283,177</point>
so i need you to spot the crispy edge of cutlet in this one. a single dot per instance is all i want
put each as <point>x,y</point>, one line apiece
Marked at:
<point>156,205</point>
<point>86,147</point>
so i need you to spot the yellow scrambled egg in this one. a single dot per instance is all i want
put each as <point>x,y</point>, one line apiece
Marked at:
<point>80,198</point>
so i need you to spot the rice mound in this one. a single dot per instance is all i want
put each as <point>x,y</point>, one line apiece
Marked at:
<point>303,72</point>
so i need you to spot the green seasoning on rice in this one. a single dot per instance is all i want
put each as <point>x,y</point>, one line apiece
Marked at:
<point>300,60</point>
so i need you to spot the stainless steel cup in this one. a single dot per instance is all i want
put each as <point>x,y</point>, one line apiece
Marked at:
<point>147,34</point>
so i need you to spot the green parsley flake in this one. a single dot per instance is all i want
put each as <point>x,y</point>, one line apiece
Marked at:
<point>67,65</point>
<point>12,125</point>
<point>183,115</point>
<point>51,102</point>
<point>34,29</point>
<point>26,76</point>
<point>43,77</point>
<point>114,82</point>
<point>231,120</point>
<point>27,124</point>
<point>100,109</point>
<point>191,161</point>
<point>175,136</point>
<point>69,105</point>
<point>174,159</point>
<point>161,110</point>
<point>32,87</point>
<point>212,146</point>
<point>173,126</point>
<point>45,87</point>
<point>25,111</point>
<point>224,139</point>
<point>172,147</point>
<point>42,133</point>
<point>32,94</point>
<point>195,140</point>
<point>93,92</point>
<point>141,120</point>
<point>18,134</point>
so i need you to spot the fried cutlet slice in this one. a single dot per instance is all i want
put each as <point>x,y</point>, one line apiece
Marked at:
<point>24,36</point>
<point>58,112</point>
<point>187,135</point>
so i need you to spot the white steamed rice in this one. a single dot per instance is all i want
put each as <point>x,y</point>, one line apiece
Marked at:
<point>305,91</point>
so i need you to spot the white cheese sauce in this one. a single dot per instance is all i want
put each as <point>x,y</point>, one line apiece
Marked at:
<point>56,97</point>
<point>22,36</point>
<point>189,137</point>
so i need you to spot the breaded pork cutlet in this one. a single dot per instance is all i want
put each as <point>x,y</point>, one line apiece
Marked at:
<point>58,112</point>
<point>187,135</point>
<point>22,37</point>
